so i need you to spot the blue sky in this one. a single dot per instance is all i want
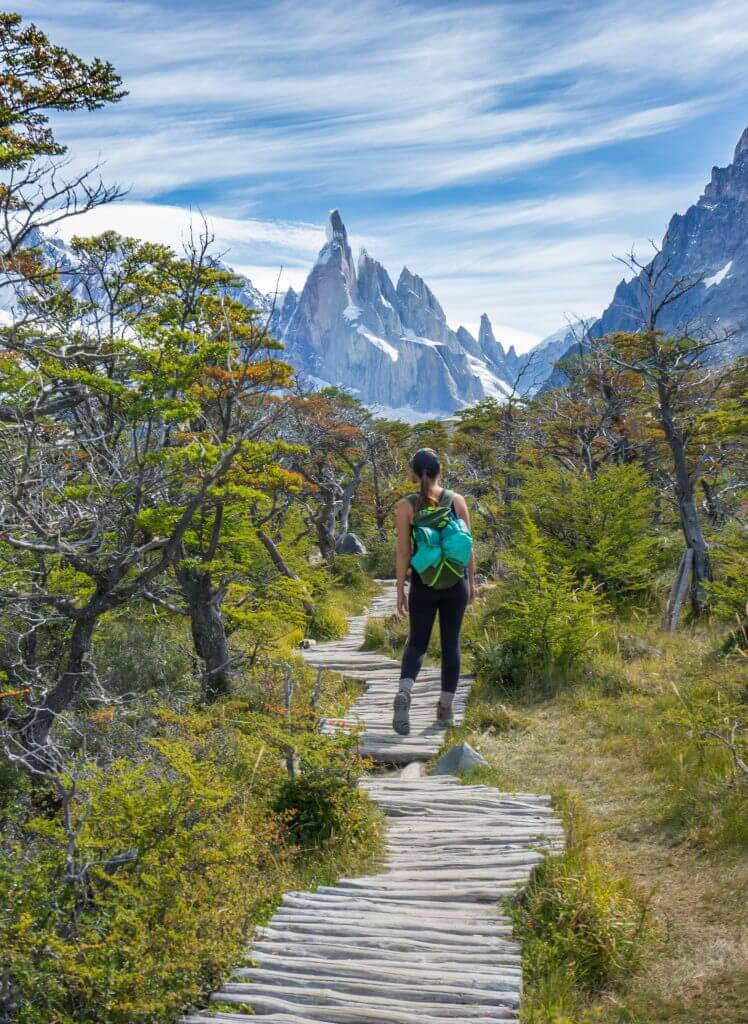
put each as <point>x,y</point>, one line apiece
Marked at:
<point>504,150</point>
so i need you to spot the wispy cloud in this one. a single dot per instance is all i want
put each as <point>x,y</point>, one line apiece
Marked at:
<point>455,132</point>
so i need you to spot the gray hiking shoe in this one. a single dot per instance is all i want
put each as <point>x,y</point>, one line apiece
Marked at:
<point>444,716</point>
<point>401,713</point>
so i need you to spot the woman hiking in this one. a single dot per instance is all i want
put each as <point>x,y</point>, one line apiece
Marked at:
<point>432,589</point>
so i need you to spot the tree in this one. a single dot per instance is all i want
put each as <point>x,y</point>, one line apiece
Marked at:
<point>682,380</point>
<point>39,77</point>
<point>329,424</point>
<point>600,526</point>
<point>100,500</point>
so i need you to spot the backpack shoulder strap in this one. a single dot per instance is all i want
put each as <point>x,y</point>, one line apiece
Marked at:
<point>446,499</point>
<point>412,500</point>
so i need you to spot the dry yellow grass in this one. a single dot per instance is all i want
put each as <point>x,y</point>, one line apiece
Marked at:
<point>601,749</point>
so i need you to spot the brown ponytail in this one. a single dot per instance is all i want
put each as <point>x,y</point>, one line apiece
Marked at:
<point>426,467</point>
<point>424,495</point>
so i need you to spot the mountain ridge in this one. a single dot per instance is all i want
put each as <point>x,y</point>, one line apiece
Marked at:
<point>390,344</point>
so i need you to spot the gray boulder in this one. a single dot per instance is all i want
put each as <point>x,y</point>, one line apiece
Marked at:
<point>461,758</point>
<point>350,544</point>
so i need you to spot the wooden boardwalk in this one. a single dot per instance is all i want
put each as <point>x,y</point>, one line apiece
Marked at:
<point>422,940</point>
<point>373,710</point>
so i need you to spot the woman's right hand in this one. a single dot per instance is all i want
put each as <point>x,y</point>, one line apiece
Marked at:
<point>402,602</point>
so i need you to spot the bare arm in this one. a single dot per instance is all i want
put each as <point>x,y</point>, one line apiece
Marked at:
<point>460,507</point>
<point>403,519</point>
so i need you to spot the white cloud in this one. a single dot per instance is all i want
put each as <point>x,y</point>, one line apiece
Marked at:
<point>411,111</point>
<point>382,95</point>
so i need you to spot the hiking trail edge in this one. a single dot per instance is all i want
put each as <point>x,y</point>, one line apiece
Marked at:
<point>423,940</point>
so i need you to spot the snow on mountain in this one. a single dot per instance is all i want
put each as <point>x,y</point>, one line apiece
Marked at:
<point>353,327</point>
<point>708,242</point>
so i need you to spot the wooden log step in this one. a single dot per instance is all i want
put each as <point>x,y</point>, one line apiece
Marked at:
<point>304,990</point>
<point>421,940</point>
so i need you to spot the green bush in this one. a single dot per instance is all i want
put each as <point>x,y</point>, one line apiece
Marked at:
<point>327,622</point>
<point>728,592</point>
<point>319,806</point>
<point>601,526</point>
<point>541,627</point>
<point>380,558</point>
<point>210,857</point>
<point>348,574</point>
<point>582,927</point>
<point>136,651</point>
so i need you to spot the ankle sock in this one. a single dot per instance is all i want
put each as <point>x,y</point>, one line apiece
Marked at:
<point>406,685</point>
<point>445,699</point>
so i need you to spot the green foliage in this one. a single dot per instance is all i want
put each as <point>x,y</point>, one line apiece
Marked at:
<point>581,925</point>
<point>601,526</point>
<point>541,627</point>
<point>134,945</point>
<point>348,575</point>
<point>39,77</point>
<point>137,650</point>
<point>327,622</point>
<point>317,807</point>
<point>380,558</point>
<point>728,592</point>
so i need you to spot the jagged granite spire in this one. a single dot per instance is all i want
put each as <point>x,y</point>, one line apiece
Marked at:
<point>336,250</point>
<point>390,345</point>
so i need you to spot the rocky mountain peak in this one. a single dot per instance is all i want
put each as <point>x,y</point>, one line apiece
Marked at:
<point>336,228</point>
<point>486,338</point>
<point>741,150</point>
<point>336,253</point>
<point>707,244</point>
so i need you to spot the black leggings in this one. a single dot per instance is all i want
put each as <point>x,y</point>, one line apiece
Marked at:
<point>423,604</point>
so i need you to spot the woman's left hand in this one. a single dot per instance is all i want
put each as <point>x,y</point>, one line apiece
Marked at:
<point>471,591</point>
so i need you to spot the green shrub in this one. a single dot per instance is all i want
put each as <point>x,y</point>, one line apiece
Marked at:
<point>210,859</point>
<point>136,651</point>
<point>327,622</point>
<point>380,558</point>
<point>148,936</point>
<point>601,526</point>
<point>728,592</point>
<point>582,927</point>
<point>541,627</point>
<point>348,574</point>
<point>319,806</point>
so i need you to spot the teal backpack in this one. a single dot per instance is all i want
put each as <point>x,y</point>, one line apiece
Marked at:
<point>442,543</point>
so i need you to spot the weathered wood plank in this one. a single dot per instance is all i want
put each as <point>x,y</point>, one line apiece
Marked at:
<point>422,939</point>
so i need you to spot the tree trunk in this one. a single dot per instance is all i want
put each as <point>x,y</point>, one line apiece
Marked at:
<point>324,525</point>
<point>33,728</point>
<point>208,630</point>
<point>280,564</point>
<point>689,513</point>
<point>349,492</point>
<point>678,592</point>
